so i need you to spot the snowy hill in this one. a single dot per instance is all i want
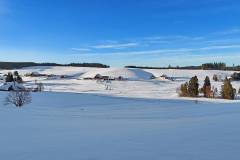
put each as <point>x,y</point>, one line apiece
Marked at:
<point>138,85</point>
<point>56,70</point>
<point>129,74</point>
<point>201,74</point>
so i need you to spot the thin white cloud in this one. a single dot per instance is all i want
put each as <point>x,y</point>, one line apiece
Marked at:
<point>148,45</point>
<point>177,51</point>
<point>222,41</point>
<point>229,32</point>
<point>174,37</point>
<point>115,46</point>
<point>81,49</point>
<point>220,47</point>
<point>171,39</point>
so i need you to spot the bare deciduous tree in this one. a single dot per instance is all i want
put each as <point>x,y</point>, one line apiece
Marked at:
<point>18,98</point>
<point>108,85</point>
<point>40,87</point>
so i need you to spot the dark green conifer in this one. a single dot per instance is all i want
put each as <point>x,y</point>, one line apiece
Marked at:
<point>193,87</point>
<point>207,87</point>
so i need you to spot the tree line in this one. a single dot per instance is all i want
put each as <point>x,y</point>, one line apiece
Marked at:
<point>205,66</point>
<point>191,89</point>
<point>18,65</point>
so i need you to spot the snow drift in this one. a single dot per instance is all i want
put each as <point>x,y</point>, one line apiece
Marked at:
<point>11,86</point>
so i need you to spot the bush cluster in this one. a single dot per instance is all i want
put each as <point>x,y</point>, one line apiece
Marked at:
<point>191,89</point>
<point>13,77</point>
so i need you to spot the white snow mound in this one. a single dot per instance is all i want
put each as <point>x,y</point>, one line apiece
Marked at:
<point>130,74</point>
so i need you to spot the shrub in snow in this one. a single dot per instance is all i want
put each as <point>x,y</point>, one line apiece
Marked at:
<point>18,98</point>
<point>183,90</point>
<point>236,76</point>
<point>228,92</point>
<point>13,77</point>
<point>215,77</point>
<point>17,77</point>
<point>40,87</point>
<point>9,77</point>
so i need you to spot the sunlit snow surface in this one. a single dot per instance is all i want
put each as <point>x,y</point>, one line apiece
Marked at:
<point>137,120</point>
<point>92,127</point>
<point>138,85</point>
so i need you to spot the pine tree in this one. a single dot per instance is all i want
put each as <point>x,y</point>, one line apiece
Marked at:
<point>193,87</point>
<point>207,87</point>
<point>228,92</point>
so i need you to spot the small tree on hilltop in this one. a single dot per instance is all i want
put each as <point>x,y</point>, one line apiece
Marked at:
<point>228,92</point>
<point>207,87</point>
<point>193,87</point>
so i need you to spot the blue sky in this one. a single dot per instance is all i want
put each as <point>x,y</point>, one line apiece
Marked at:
<point>120,32</point>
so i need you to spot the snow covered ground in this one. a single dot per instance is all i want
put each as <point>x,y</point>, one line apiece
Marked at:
<point>136,120</point>
<point>92,127</point>
<point>137,87</point>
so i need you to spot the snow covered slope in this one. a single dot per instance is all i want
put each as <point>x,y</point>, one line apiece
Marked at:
<point>56,70</point>
<point>130,74</point>
<point>139,86</point>
<point>7,86</point>
<point>68,126</point>
<point>189,73</point>
<point>91,126</point>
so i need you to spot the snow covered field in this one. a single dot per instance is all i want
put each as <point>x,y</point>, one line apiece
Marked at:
<point>139,86</point>
<point>138,119</point>
<point>93,127</point>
